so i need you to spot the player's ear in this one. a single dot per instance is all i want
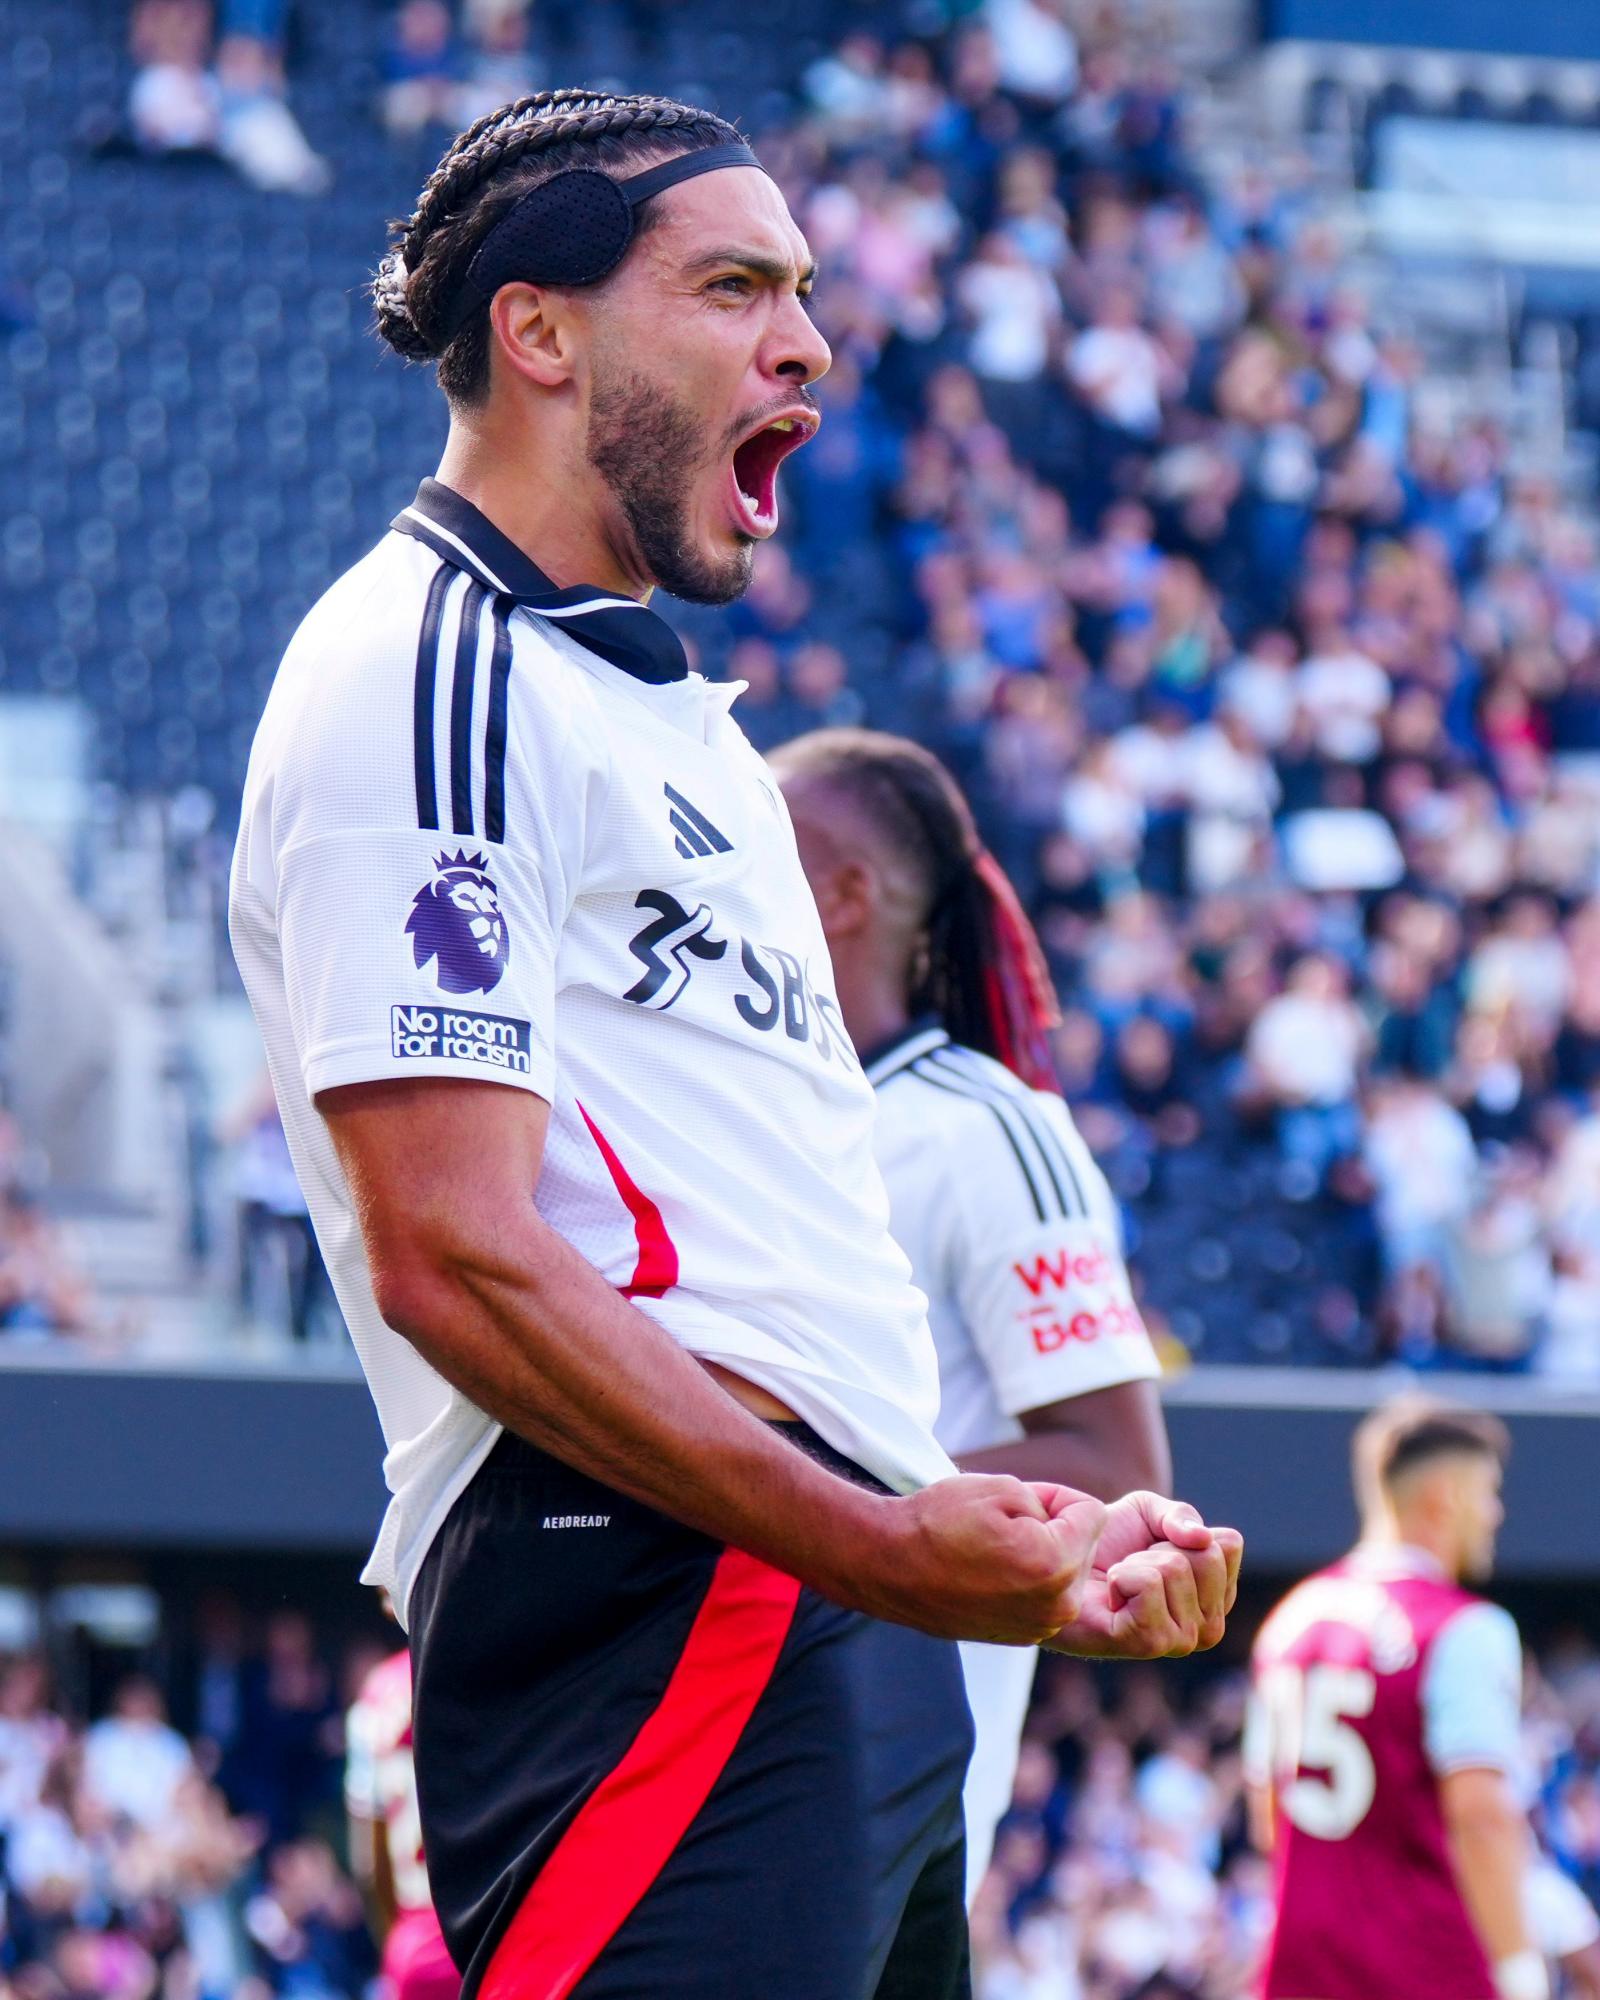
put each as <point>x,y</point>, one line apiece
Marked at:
<point>852,894</point>
<point>534,331</point>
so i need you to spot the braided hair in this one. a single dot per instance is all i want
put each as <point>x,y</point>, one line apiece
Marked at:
<point>979,966</point>
<point>484,171</point>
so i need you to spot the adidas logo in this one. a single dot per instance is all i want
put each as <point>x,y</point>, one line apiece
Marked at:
<point>694,833</point>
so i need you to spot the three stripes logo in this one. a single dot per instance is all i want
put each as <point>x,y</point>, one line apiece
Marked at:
<point>693,832</point>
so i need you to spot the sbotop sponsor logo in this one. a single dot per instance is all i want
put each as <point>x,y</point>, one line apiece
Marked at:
<point>490,1039</point>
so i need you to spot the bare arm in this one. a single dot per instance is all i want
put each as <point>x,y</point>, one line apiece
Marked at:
<point>373,1869</point>
<point>1261,1817</point>
<point>442,1174</point>
<point>1107,1443</point>
<point>1489,1847</point>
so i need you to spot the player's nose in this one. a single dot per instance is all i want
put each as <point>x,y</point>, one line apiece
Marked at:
<point>800,353</point>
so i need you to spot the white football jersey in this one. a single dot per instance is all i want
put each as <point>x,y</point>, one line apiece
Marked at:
<point>1014,1236</point>
<point>499,831</point>
<point>1012,1233</point>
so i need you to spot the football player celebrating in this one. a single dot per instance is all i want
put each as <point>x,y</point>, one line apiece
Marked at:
<point>546,1007</point>
<point>1384,1737</point>
<point>1045,1368</point>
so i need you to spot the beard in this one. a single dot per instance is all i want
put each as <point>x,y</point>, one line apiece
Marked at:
<point>648,449</point>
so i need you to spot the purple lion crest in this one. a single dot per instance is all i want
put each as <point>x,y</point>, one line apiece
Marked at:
<point>457,919</point>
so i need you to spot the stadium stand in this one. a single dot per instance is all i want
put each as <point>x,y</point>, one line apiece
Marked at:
<point>1271,667</point>
<point>141,1863</point>
<point>1271,661</point>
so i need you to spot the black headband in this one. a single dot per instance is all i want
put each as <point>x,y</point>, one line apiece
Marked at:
<point>575,228</point>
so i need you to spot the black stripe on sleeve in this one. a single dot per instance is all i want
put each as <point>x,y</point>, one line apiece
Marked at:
<point>461,709</point>
<point>1015,1106</point>
<point>921,1068</point>
<point>1064,1153</point>
<point>422,696</point>
<point>1034,1115</point>
<point>494,734</point>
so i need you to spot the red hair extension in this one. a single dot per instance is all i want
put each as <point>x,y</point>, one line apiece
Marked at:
<point>1019,994</point>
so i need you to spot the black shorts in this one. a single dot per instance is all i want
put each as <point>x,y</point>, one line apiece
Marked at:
<point>651,1767</point>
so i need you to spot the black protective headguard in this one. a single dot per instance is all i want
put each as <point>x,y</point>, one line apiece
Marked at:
<point>575,228</point>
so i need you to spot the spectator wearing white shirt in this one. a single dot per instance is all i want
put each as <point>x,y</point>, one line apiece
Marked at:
<point>1193,280</point>
<point>1176,1789</point>
<point>174,105</point>
<point>1523,964</point>
<point>1103,808</point>
<point>1260,685</point>
<point>49,1860</point>
<point>1119,370</point>
<point>30,1736</point>
<point>1500,1276</point>
<point>1035,50</point>
<point>133,1762</point>
<point>1420,1155</point>
<point>1303,1051</point>
<point>1154,757</point>
<point>1233,792</point>
<point>1014,309</point>
<point>1345,694</point>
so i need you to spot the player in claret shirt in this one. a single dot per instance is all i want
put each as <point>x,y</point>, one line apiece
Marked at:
<point>1045,1368</point>
<point>1383,1738</point>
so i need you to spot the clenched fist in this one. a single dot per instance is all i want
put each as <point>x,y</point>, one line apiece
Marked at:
<point>981,1556</point>
<point>1160,1585</point>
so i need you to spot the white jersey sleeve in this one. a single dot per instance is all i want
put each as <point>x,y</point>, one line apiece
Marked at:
<point>422,853</point>
<point>1472,1693</point>
<point>1047,1302</point>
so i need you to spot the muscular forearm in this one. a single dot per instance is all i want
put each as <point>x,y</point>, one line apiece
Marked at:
<point>546,1347</point>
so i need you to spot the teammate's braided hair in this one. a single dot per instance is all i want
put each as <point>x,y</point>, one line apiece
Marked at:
<point>490,166</point>
<point>979,967</point>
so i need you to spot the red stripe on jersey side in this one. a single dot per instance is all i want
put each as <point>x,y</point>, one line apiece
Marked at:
<point>656,1269</point>
<point>626,1830</point>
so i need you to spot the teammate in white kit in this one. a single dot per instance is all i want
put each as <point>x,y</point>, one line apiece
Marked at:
<point>547,1011</point>
<point>1045,1368</point>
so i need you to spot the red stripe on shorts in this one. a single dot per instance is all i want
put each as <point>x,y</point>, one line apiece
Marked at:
<point>656,1269</point>
<point>629,1825</point>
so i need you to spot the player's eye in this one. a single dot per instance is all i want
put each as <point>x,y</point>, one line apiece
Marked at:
<point>732,286</point>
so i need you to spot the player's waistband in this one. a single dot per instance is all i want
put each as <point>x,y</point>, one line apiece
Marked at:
<point>513,1454</point>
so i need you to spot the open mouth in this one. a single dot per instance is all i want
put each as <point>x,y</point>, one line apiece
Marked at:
<point>755,471</point>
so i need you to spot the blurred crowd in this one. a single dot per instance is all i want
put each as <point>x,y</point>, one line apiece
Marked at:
<point>1279,696</point>
<point>211,82</point>
<point>140,1864</point>
<point>1124,1871</point>
<point>1277,688</point>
